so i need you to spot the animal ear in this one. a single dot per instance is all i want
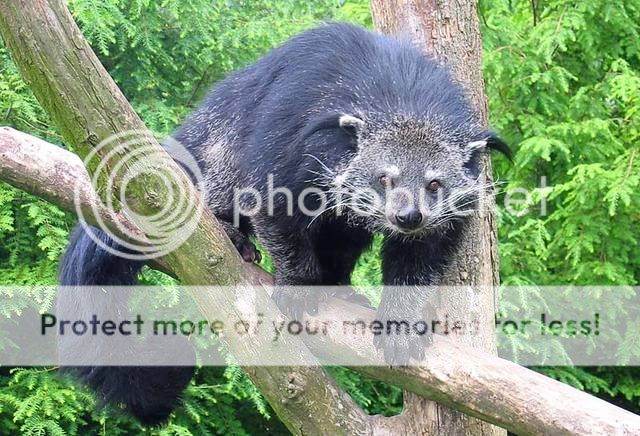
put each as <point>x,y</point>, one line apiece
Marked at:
<point>350,124</point>
<point>488,140</point>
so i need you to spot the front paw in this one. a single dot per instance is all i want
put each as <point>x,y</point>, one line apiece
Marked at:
<point>398,348</point>
<point>294,302</point>
<point>405,334</point>
<point>248,251</point>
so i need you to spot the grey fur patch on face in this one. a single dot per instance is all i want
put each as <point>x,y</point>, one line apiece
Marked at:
<point>414,153</point>
<point>392,170</point>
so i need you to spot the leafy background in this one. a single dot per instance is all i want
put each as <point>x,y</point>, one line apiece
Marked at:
<point>563,84</point>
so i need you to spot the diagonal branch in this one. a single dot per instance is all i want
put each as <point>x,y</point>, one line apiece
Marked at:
<point>86,105</point>
<point>465,379</point>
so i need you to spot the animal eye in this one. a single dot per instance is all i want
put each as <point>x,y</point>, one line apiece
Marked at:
<point>385,181</point>
<point>434,185</point>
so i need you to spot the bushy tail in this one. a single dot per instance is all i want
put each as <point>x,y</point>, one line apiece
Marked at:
<point>148,393</point>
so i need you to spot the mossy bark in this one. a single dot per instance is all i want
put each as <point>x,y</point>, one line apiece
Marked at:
<point>86,105</point>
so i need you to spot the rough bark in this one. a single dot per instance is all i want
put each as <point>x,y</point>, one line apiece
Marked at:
<point>453,374</point>
<point>449,30</point>
<point>498,391</point>
<point>86,105</point>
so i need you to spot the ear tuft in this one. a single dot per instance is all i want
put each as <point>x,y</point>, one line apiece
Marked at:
<point>492,141</point>
<point>476,145</point>
<point>350,122</point>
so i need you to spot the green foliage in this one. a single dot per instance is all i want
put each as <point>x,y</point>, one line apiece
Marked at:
<point>219,402</point>
<point>568,95</point>
<point>374,397</point>
<point>563,88</point>
<point>33,235</point>
<point>41,404</point>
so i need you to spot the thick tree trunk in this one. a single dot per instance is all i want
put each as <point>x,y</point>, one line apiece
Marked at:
<point>450,31</point>
<point>86,105</point>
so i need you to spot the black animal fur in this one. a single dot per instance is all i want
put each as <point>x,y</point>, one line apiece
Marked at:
<point>335,107</point>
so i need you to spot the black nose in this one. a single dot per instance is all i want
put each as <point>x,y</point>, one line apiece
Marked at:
<point>409,220</point>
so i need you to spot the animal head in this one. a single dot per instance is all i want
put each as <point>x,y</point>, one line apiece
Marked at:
<point>410,176</point>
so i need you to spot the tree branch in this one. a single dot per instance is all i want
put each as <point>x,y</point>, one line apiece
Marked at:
<point>465,379</point>
<point>86,105</point>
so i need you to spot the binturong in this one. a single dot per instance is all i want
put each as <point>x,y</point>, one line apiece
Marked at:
<point>335,136</point>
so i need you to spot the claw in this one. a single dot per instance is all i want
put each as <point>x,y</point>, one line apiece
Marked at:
<point>248,251</point>
<point>295,302</point>
<point>399,349</point>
